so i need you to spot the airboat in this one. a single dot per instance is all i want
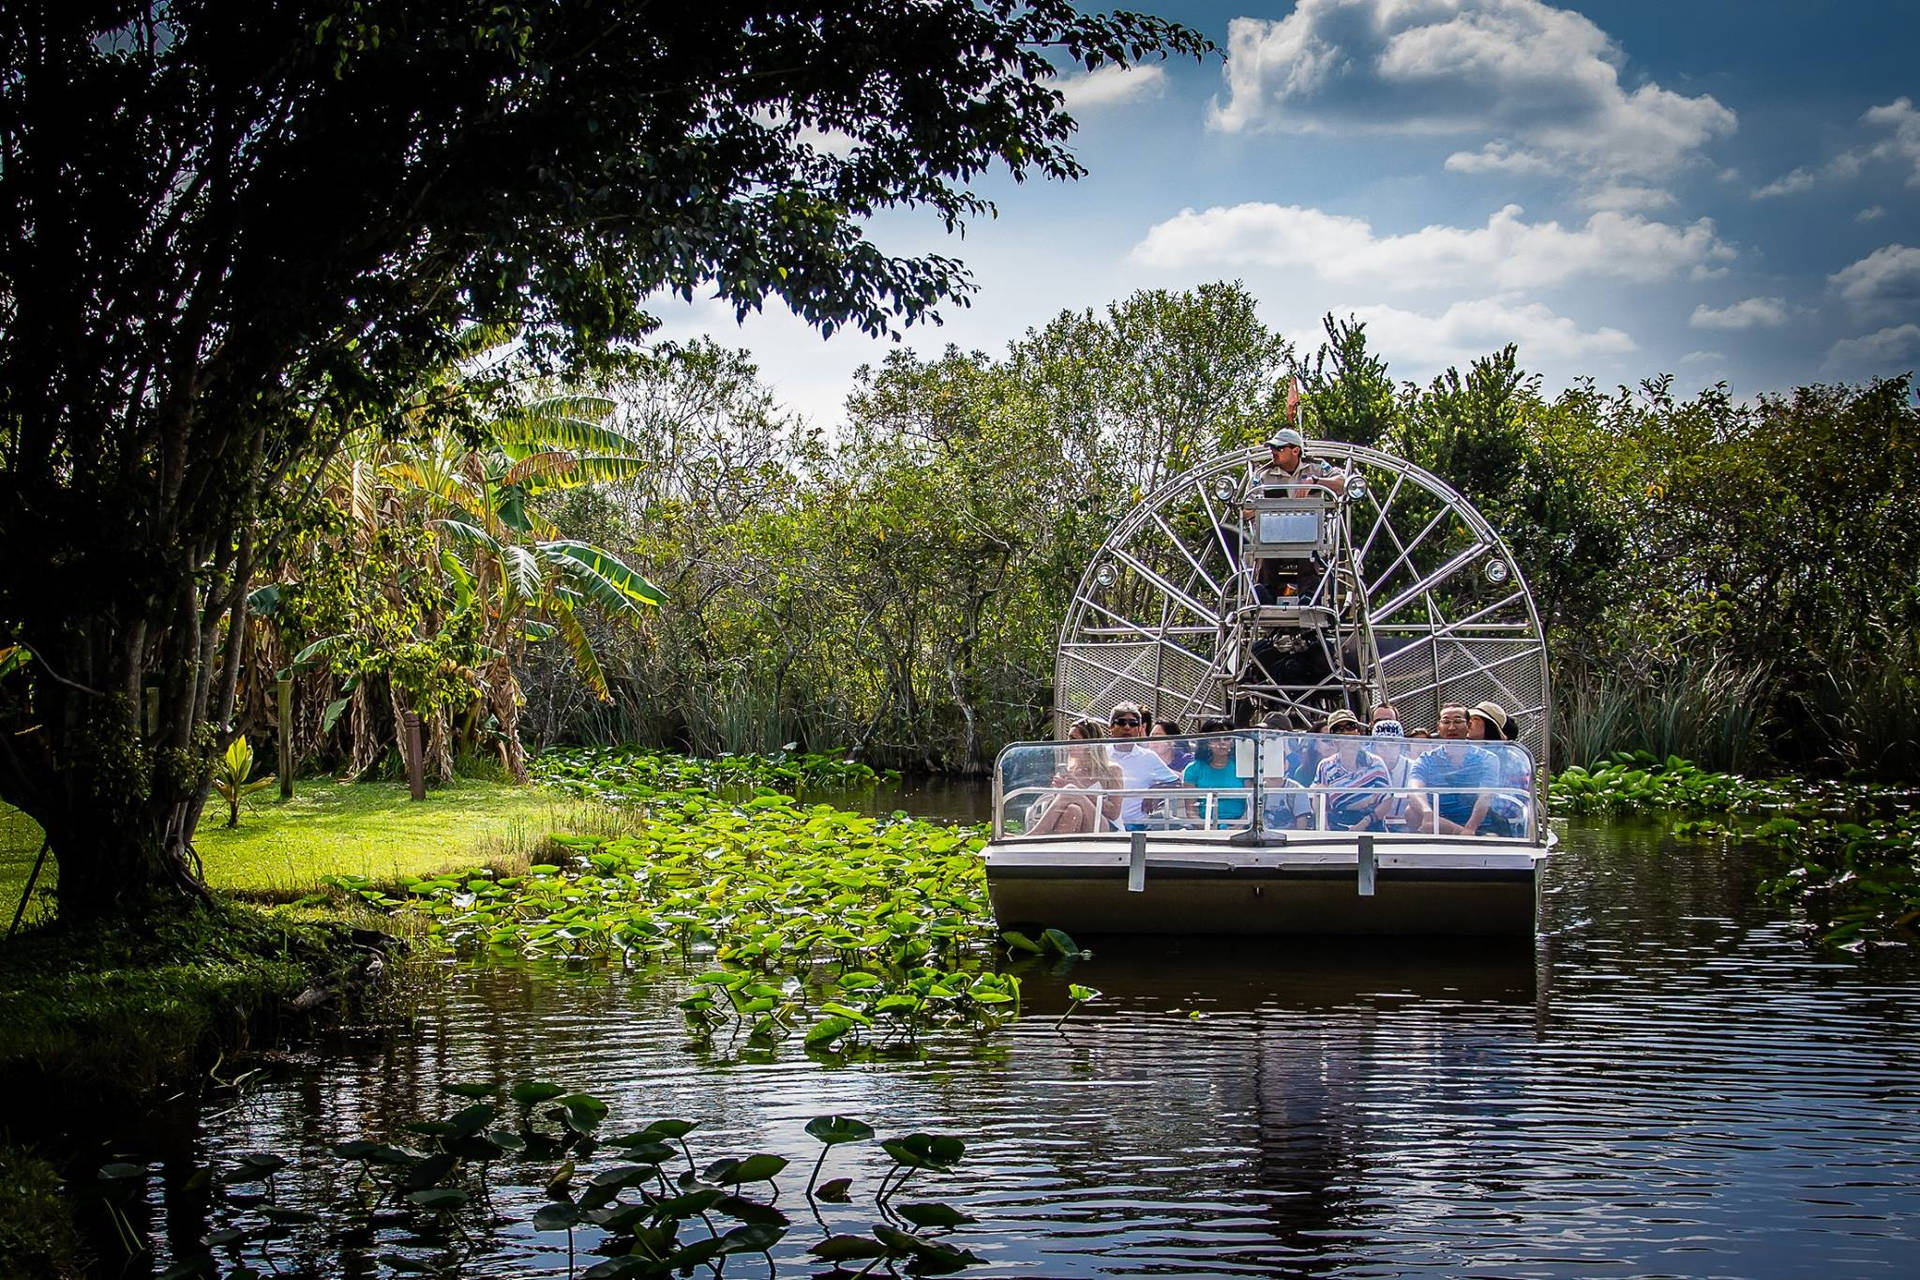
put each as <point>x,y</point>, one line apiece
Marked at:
<point>1227,596</point>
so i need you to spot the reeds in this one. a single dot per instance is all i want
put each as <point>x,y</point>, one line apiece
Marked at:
<point>1711,712</point>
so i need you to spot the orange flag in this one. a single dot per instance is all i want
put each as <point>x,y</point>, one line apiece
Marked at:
<point>1293,400</point>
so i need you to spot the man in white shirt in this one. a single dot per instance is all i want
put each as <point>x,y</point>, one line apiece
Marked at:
<point>1142,768</point>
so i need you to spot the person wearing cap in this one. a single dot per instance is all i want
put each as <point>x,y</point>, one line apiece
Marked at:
<point>1390,749</point>
<point>1288,474</point>
<point>1456,778</point>
<point>1350,777</point>
<point>1287,465</point>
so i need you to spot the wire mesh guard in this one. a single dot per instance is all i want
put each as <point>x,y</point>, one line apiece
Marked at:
<point>1417,602</point>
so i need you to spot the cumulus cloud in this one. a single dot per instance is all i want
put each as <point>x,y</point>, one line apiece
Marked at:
<point>1904,146</point>
<point>1507,253</point>
<point>1108,85</point>
<point>1870,213</point>
<point>1468,330</point>
<point>1542,83</point>
<point>1889,351</point>
<point>1886,280</point>
<point>1748,313</point>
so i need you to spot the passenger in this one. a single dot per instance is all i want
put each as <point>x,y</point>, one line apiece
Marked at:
<point>1490,722</point>
<point>1382,711</point>
<point>1170,746</point>
<point>1356,774</point>
<point>1213,771</point>
<point>1139,767</point>
<point>1288,807</point>
<point>1079,804</point>
<point>1389,747</point>
<point>1460,773</point>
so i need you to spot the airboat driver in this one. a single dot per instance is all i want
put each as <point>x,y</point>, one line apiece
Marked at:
<point>1288,472</point>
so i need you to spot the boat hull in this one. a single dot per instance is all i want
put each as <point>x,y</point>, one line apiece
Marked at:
<point>1417,888</point>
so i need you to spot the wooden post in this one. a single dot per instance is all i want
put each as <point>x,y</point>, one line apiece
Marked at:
<point>416,758</point>
<point>284,688</point>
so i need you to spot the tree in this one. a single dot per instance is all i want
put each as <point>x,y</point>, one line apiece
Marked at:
<point>1346,393</point>
<point>230,230</point>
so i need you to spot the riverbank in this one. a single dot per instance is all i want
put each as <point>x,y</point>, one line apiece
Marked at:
<point>108,1017</point>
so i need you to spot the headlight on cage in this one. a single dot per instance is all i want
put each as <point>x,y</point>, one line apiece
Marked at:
<point>1104,575</point>
<point>1497,571</point>
<point>1356,485</point>
<point>1224,487</point>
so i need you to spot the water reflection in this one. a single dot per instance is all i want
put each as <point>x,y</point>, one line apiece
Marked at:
<point>1667,1083</point>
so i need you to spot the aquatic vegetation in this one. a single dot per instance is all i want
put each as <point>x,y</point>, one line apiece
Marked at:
<point>626,774</point>
<point>830,925</point>
<point>1640,782</point>
<point>1848,853</point>
<point>646,1208</point>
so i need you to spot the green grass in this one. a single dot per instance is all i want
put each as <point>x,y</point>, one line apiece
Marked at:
<point>282,848</point>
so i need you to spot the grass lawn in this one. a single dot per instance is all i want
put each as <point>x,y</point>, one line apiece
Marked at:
<point>283,847</point>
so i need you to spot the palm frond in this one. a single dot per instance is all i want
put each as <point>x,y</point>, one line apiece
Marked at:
<point>461,577</point>
<point>601,576</point>
<point>568,624</point>
<point>549,464</point>
<point>468,535</point>
<point>525,582</point>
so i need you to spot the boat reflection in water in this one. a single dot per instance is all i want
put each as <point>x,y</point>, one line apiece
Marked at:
<point>1235,1105</point>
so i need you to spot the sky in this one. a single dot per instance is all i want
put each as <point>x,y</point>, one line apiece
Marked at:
<point>1723,190</point>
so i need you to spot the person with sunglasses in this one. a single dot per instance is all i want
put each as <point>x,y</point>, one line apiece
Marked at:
<point>1141,768</point>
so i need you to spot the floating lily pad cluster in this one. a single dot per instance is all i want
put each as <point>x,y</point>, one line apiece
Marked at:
<point>624,774</point>
<point>638,1201</point>
<point>821,923</point>
<point>1849,852</point>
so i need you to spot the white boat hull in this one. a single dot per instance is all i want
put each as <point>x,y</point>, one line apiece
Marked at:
<point>1200,883</point>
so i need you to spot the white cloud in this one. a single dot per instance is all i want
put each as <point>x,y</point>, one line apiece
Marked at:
<point>1888,279</point>
<point>1625,196</point>
<point>1105,86</point>
<point>1468,330</point>
<point>1702,357</point>
<point>1539,82</point>
<point>1869,214</point>
<point>1799,180</point>
<point>1886,352</point>
<point>1904,146</point>
<point>1748,313</point>
<point>1506,253</point>
<point>1498,157</point>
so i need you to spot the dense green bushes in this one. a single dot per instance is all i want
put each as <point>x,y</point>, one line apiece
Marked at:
<point>1730,582</point>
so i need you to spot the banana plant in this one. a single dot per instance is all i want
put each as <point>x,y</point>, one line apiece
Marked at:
<point>230,777</point>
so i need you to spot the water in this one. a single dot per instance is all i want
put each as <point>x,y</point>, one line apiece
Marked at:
<point>1667,1083</point>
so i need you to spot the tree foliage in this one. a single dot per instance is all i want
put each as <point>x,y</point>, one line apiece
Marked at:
<point>233,233</point>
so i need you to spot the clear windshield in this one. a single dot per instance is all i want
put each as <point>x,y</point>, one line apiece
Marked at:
<point>1275,781</point>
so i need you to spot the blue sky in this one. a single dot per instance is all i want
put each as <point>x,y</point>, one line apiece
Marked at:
<point>1723,191</point>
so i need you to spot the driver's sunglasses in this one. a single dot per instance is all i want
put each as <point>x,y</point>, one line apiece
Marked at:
<point>1124,720</point>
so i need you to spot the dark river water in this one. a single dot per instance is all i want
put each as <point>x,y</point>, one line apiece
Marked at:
<point>1668,1082</point>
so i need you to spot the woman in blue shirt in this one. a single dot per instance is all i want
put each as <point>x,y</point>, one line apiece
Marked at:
<point>1213,768</point>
